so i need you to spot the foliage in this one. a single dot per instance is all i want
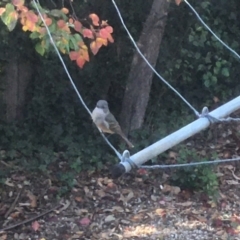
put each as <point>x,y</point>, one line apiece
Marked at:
<point>68,33</point>
<point>201,177</point>
<point>57,129</point>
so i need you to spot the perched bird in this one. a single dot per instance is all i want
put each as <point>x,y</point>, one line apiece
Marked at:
<point>104,119</point>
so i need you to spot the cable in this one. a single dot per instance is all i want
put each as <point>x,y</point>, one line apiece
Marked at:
<point>152,68</point>
<point>70,78</point>
<point>209,29</point>
<point>190,164</point>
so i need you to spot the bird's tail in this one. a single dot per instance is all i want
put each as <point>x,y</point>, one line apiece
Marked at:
<point>127,141</point>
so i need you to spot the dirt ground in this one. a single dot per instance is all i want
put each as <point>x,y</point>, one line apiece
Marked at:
<point>139,205</point>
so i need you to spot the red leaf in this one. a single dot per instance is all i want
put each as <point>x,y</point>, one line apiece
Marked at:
<point>85,221</point>
<point>109,29</point>
<point>73,55</point>
<point>178,2</point>
<point>61,23</point>
<point>103,33</point>
<point>142,171</point>
<point>31,16</point>
<point>48,21</point>
<point>35,226</point>
<point>77,26</point>
<point>88,33</point>
<point>95,19</point>
<point>80,63</point>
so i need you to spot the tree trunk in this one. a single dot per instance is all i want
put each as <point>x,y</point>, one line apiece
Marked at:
<point>17,76</point>
<point>138,87</point>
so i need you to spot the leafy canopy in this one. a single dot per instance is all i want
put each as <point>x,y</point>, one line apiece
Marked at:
<point>68,33</point>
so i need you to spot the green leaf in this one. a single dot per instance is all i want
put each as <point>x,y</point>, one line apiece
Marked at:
<point>73,43</point>
<point>216,70</point>
<point>9,17</point>
<point>34,35</point>
<point>58,13</point>
<point>9,8</point>
<point>78,37</point>
<point>39,48</point>
<point>218,64</point>
<point>225,72</point>
<point>197,55</point>
<point>214,79</point>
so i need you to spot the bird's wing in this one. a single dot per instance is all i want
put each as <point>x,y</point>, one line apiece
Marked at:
<point>113,124</point>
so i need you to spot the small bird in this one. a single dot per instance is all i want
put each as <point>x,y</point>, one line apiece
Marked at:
<point>104,119</point>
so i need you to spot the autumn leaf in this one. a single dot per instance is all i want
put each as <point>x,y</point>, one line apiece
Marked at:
<point>48,21</point>
<point>2,10</point>
<point>101,41</point>
<point>142,171</point>
<point>110,38</point>
<point>77,26</point>
<point>104,23</point>
<point>94,47</point>
<point>23,9</point>
<point>80,62</point>
<point>35,226</point>
<point>95,19</point>
<point>85,221</point>
<point>104,33</point>
<point>178,2</point>
<point>61,23</point>
<point>10,18</point>
<point>32,198</point>
<point>109,29</point>
<point>65,10</point>
<point>73,55</point>
<point>88,33</point>
<point>84,54</point>
<point>31,16</point>
<point>18,3</point>
<point>82,45</point>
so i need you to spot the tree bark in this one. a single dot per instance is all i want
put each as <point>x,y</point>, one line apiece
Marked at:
<point>139,82</point>
<point>17,76</point>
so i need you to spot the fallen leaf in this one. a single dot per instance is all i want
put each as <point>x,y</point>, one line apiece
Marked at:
<point>160,211</point>
<point>85,221</point>
<point>3,237</point>
<point>35,226</point>
<point>78,199</point>
<point>173,155</point>
<point>110,218</point>
<point>64,206</point>
<point>129,196</point>
<point>126,222</point>
<point>9,183</point>
<point>184,204</point>
<point>171,189</point>
<point>232,182</point>
<point>15,215</point>
<point>32,198</point>
<point>115,208</point>
<point>100,193</point>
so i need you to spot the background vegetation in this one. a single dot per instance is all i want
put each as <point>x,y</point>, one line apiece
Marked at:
<point>57,127</point>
